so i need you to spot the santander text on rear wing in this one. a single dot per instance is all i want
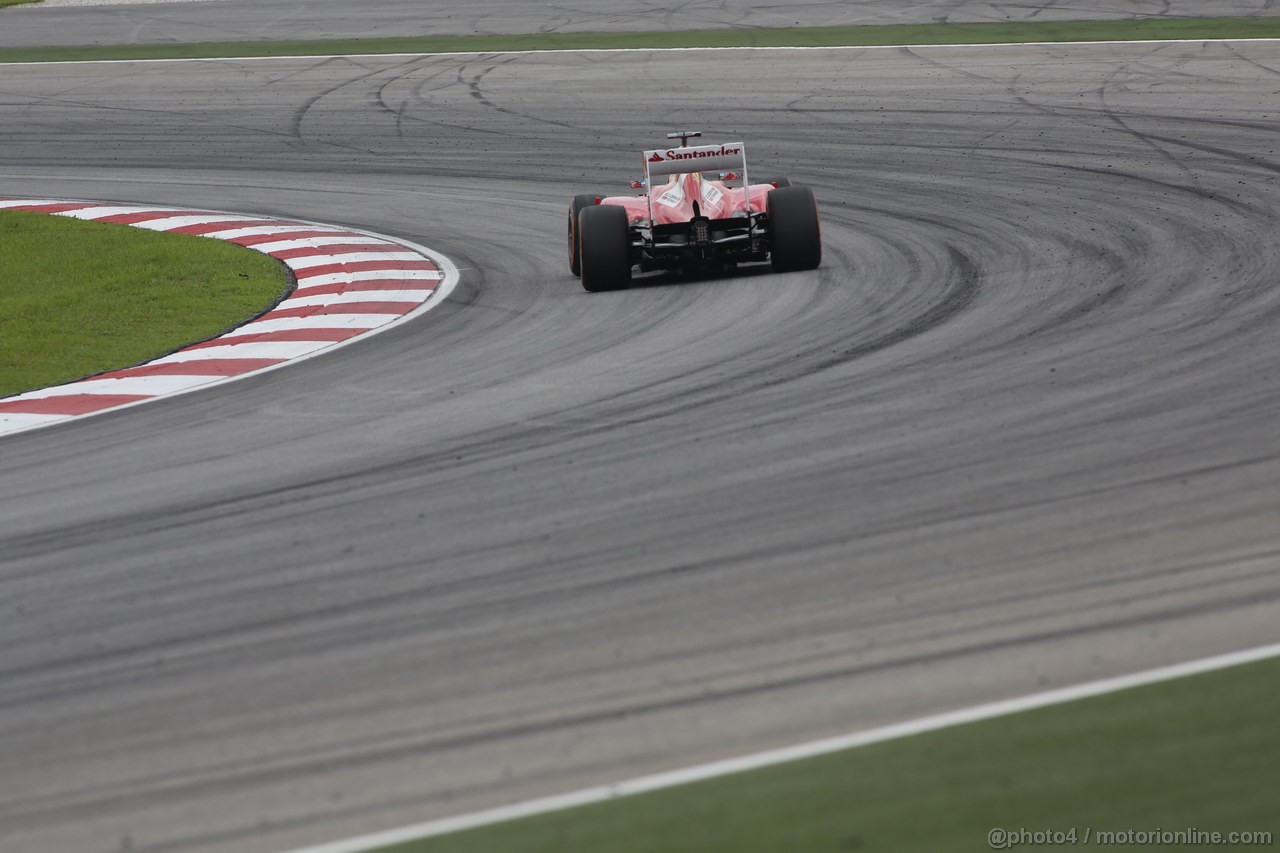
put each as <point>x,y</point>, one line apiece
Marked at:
<point>727,157</point>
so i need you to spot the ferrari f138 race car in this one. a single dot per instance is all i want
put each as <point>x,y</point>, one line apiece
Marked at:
<point>698,210</point>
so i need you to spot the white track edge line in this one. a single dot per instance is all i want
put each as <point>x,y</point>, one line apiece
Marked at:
<point>473,53</point>
<point>448,280</point>
<point>696,773</point>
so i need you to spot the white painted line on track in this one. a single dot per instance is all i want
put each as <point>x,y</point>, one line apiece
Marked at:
<point>143,386</point>
<point>95,212</point>
<point>319,321</point>
<point>264,230</point>
<point>168,223</point>
<point>316,242</point>
<point>300,264</point>
<point>340,313</point>
<point>23,202</point>
<point>358,296</point>
<point>606,50</point>
<point>771,757</point>
<point>374,275</point>
<point>26,421</point>
<point>255,349</point>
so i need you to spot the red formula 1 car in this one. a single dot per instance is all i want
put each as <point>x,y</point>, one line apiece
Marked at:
<point>698,210</point>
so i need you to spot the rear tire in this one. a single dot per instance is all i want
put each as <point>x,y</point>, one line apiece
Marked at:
<point>579,203</point>
<point>604,235</point>
<point>793,224</point>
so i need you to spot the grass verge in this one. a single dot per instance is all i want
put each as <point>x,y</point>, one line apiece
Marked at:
<point>4,3</point>
<point>999,33</point>
<point>82,297</point>
<point>1198,752</point>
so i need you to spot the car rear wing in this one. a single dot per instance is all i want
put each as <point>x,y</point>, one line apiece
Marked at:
<point>728,157</point>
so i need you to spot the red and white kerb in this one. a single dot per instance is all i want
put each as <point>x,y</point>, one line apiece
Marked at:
<point>350,284</point>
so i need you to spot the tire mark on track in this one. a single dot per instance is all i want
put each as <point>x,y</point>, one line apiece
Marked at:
<point>301,112</point>
<point>958,294</point>
<point>476,91</point>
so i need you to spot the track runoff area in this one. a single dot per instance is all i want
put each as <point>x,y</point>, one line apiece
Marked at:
<point>404,838</point>
<point>604,824</point>
<point>883,36</point>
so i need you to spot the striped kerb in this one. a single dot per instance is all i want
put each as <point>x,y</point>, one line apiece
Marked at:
<point>349,284</point>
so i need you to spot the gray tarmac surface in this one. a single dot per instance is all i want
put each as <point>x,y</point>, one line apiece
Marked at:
<point>251,20</point>
<point>1017,432</point>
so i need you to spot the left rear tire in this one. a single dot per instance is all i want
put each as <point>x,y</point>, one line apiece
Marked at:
<point>604,235</point>
<point>579,203</point>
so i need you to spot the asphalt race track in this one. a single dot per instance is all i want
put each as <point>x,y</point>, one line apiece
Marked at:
<point>252,20</point>
<point>1019,431</point>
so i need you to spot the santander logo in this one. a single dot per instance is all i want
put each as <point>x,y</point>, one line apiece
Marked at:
<point>694,153</point>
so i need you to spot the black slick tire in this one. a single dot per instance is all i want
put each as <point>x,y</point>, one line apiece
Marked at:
<point>579,203</point>
<point>793,224</point>
<point>605,238</point>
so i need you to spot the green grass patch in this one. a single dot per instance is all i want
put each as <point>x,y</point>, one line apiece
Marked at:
<point>82,297</point>
<point>4,3</point>
<point>998,33</point>
<point>1198,752</point>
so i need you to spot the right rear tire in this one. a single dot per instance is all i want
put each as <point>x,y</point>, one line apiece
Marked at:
<point>793,224</point>
<point>604,235</point>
